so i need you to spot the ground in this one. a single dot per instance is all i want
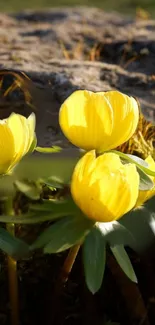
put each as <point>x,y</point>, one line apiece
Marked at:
<point>62,50</point>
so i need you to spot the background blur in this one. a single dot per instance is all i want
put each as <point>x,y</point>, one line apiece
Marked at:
<point>125,6</point>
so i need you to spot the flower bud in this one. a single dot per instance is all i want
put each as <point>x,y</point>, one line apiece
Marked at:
<point>103,188</point>
<point>100,121</point>
<point>16,136</point>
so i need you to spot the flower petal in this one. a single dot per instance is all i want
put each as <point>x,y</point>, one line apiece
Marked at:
<point>7,148</point>
<point>85,118</point>
<point>100,121</point>
<point>31,122</point>
<point>104,188</point>
<point>19,128</point>
<point>125,115</point>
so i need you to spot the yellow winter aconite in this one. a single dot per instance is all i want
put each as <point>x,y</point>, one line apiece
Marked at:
<point>16,136</point>
<point>146,195</point>
<point>103,188</point>
<point>100,121</point>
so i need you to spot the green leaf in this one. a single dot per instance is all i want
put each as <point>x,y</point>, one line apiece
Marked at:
<point>94,257</point>
<point>63,234</point>
<point>137,161</point>
<point>31,217</point>
<point>64,207</point>
<point>124,262</point>
<point>139,223</point>
<point>54,182</point>
<point>13,246</point>
<point>47,211</point>
<point>115,233</point>
<point>31,190</point>
<point>135,229</point>
<point>48,149</point>
<point>146,183</point>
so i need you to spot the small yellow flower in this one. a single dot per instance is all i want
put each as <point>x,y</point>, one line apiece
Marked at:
<point>103,188</point>
<point>16,136</point>
<point>100,121</point>
<point>146,195</point>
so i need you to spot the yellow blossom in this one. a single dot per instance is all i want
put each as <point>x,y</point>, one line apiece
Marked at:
<point>16,136</point>
<point>100,121</point>
<point>146,195</point>
<point>103,188</point>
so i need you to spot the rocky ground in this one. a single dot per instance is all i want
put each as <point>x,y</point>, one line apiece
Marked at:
<point>62,50</point>
<point>76,48</point>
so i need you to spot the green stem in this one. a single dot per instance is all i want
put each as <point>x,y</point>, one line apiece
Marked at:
<point>12,269</point>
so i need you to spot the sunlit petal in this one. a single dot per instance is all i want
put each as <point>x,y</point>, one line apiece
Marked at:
<point>100,121</point>
<point>7,148</point>
<point>104,188</point>
<point>19,128</point>
<point>31,123</point>
<point>85,118</point>
<point>125,117</point>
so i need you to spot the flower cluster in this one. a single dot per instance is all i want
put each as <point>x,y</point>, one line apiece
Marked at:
<point>102,186</point>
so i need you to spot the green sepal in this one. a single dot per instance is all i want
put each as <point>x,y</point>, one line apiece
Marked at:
<point>124,262</point>
<point>48,149</point>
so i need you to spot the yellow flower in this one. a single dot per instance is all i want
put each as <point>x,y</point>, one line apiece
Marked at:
<point>100,121</point>
<point>16,136</point>
<point>146,195</point>
<point>103,188</point>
